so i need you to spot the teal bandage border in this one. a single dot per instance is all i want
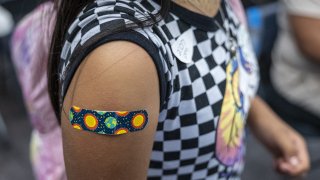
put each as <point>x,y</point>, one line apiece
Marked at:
<point>108,122</point>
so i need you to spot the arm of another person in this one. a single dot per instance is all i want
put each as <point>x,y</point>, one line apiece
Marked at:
<point>117,76</point>
<point>307,34</point>
<point>286,145</point>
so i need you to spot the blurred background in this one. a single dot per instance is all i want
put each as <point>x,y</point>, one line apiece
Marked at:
<point>15,127</point>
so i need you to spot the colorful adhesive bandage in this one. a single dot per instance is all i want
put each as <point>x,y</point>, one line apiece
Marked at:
<point>108,122</point>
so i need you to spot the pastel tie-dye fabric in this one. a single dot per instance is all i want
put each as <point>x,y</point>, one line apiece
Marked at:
<point>30,45</point>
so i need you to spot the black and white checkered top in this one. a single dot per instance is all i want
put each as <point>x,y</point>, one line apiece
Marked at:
<point>207,72</point>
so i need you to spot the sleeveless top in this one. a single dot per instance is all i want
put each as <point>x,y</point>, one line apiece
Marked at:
<point>205,90</point>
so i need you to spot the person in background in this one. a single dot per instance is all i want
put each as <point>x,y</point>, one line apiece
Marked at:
<point>30,45</point>
<point>296,63</point>
<point>295,71</point>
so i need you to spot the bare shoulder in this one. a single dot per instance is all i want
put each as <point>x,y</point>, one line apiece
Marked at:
<point>117,76</point>
<point>116,70</point>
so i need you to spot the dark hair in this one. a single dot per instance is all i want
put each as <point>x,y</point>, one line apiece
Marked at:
<point>67,10</point>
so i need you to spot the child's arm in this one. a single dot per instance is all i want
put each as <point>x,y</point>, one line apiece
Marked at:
<point>286,145</point>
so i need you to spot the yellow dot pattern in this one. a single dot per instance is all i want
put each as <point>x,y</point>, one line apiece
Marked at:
<point>77,126</point>
<point>90,121</point>
<point>121,131</point>
<point>138,120</point>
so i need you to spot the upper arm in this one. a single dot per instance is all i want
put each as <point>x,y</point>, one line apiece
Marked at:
<point>304,18</point>
<point>306,31</point>
<point>117,76</point>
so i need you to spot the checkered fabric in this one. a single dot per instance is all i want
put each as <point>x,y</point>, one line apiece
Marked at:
<point>185,141</point>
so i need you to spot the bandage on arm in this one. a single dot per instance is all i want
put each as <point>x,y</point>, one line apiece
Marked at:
<point>108,122</point>
<point>111,80</point>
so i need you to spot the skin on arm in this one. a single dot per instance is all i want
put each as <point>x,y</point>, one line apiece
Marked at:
<point>117,76</point>
<point>286,145</point>
<point>306,32</point>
